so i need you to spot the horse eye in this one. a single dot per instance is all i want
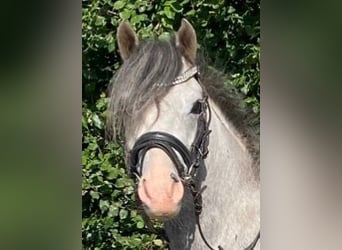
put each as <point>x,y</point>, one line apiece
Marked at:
<point>196,108</point>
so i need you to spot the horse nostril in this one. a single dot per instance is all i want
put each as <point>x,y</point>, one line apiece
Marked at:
<point>174,177</point>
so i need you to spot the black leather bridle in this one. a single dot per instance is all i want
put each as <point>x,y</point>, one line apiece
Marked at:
<point>192,158</point>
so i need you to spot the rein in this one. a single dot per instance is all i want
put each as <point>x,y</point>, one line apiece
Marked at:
<point>192,159</point>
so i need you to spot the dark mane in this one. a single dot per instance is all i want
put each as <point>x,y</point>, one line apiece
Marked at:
<point>229,100</point>
<point>134,88</point>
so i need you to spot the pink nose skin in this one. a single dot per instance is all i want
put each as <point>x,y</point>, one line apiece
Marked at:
<point>160,190</point>
<point>161,198</point>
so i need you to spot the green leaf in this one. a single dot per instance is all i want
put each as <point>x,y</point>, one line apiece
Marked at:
<point>84,159</point>
<point>118,5</point>
<point>92,146</point>
<point>158,242</point>
<point>113,211</point>
<point>250,99</point>
<point>256,109</point>
<point>97,122</point>
<point>126,14</point>
<point>129,190</point>
<point>140,224</point>
<point>169,13</point>
<point>231,10</point>
<point>120,183</point>
<point>101,103</point>
<point>84,122</point>
<point>135,242</point>
<point>138,18</point>
<point>165,36</point>
<point>190,13</point>
<point>100,21</point>
<point>123,214</point>
<point>104,205</point>
<point>113,174</point>
<point>94,195</point>
<point>99,178</point>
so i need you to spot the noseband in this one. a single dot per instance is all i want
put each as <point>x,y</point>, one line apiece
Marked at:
<point>192,158</point>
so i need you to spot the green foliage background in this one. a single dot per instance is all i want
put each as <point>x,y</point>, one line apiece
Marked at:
<point>229,31</point>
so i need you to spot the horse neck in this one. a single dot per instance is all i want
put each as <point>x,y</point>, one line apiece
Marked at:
<point>228,153</point>
<point>230,185</point>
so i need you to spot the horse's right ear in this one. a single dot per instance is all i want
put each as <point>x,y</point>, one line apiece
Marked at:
<point>127,39</point>
<point>186,40</point>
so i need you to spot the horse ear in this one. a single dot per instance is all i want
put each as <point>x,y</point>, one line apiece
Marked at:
<point>127,39</point>
<point>186,40</point>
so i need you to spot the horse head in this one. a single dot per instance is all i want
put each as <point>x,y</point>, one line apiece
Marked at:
<point>161,139</point>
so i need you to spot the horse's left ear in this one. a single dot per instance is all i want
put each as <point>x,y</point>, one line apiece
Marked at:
<point>127,39</point>
<point>186,40</point>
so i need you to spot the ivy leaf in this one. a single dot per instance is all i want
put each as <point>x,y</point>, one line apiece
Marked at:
<point>95,195</point>
<point>97,122</point>
<point>118,5</point>
<point>84,122</point>
<point>123,214</point>
<point>92,146</point>
<point>158,242</point>
<point>169,13</point>
<point>165,36</point>
<point>126,14</point>
<point>104,205</point>
<point>100,21</point>
<point>136,242</point>
<point>113,211</point>
<point>191,13</point>
<point>231,10</point>
<point>113,174</point>
<point>120,183</point>
<point>140,224</point>
<point>101,103</point>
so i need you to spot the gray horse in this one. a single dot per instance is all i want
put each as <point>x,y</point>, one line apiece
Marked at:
<point>188,141</point>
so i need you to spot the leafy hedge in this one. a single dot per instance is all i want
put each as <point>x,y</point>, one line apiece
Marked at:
<point>229,33</point>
